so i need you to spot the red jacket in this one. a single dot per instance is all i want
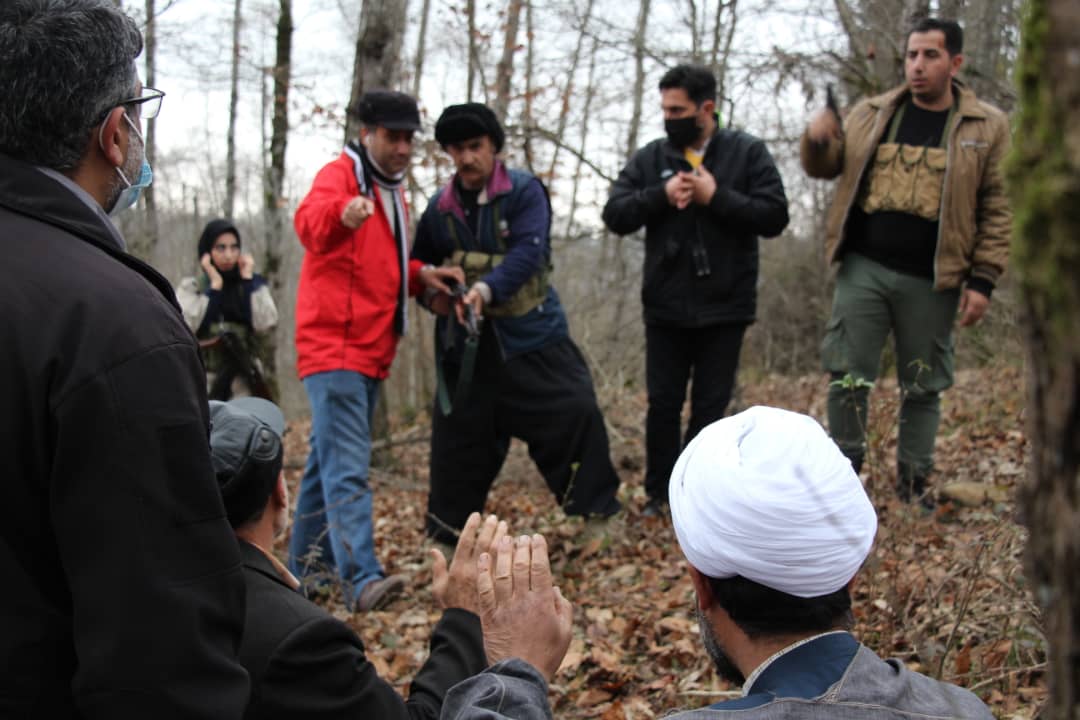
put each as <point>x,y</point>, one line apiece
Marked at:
<point>349,280</point>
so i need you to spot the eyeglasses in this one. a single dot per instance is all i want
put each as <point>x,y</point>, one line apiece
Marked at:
<point>150,99</point>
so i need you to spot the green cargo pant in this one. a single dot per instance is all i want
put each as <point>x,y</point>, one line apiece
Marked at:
<point>870,301</point>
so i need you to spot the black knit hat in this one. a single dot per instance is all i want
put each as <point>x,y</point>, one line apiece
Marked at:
<point>246,453</point>
<point>466,121</point>
<point>213,230</point>
<point>390,109</point>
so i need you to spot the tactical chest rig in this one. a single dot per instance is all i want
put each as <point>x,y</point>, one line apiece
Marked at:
<point>477,264</point>
<point>907,178</point>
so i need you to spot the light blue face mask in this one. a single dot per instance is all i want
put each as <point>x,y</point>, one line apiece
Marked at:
<point>130,195</point>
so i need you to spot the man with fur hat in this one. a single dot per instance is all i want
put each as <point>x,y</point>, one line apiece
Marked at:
<point>518,374</point>
<point>774,524</point>
<point>350,313</point>
<point>303,662</point>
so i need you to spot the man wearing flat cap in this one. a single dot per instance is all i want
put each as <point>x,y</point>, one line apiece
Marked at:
<point>351,301</point>
<point>303,662</point>
<point>519,374</point>
<point>774,524</point>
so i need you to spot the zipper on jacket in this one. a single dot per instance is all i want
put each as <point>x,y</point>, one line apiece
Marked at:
<point>952,132</point>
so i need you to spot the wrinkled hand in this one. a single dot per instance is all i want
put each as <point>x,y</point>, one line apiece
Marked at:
<point>247,266</point>
<point>680,191</point>
<point>456,587</point>
<point>211,272</point>
<point>436,277</point>
<point>973,305</point>
<point>703,184</point>
<point>357,211</point>
<point>522,614</point>
<point>473,298</point>
<point>823,127</point>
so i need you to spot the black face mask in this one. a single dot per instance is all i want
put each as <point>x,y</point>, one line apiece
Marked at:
<point>682,131</point>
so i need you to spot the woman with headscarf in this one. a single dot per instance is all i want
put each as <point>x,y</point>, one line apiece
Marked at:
<point>228,306</point>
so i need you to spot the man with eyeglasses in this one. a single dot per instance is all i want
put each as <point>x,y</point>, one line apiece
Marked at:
<point>125,595</point>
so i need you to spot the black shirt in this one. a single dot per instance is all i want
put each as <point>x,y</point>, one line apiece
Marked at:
<point>899,241</point>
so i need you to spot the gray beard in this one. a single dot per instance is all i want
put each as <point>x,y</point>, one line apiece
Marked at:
<point>724,667</point>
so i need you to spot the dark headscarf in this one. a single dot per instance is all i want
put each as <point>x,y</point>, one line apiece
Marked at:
<point>213,230</point>
<point>233,299</point>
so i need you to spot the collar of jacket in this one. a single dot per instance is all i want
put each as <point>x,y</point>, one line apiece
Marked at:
<point>806,671</point>
<point>673,152</point>
<point>968,103</point>
<point>27,191</point>
<point>498,184</point>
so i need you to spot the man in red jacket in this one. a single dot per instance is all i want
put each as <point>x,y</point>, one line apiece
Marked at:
<point>350,312</point>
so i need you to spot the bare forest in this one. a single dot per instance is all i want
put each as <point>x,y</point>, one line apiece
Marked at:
<point>574,83</point>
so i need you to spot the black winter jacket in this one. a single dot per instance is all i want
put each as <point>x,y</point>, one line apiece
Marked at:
<point>305,663</point>
<point>701,263</point>
<point>123,593</point>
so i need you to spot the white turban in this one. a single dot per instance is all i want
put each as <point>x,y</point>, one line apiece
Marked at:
<point>767,495</point>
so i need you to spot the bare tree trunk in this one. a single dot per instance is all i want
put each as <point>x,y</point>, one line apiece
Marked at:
<point>470,11</point>
<point>421,48</point>
<point>1045,182</point>
<point>876,32</point>
<point>504,71</point>
<point>150,58</point>
<point>639,77</point>
<point>719,57</point>
<point>527,110</point>
<point>695,32</point>
<point>274,202</point>
<point>989,32</point>
<point>568,93</point>
<point>590,90</point>
<point>378,53</point>
<point>230,140</point>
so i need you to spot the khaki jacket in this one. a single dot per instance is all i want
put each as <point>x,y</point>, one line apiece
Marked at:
<point>975,222</point>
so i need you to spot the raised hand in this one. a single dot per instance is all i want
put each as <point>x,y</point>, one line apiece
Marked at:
<point>247,266</point>
<point>522,613</point>
<point>216,282</point>
<point>456,587</point>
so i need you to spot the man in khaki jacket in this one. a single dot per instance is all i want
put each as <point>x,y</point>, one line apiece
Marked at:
<point>920,228</point>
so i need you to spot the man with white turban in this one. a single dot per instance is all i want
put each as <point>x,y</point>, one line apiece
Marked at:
<point>774,524</point>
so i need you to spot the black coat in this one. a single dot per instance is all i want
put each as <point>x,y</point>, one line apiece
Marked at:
<point>701,263</point>
<point>305,663</point>
<point>123,590</point>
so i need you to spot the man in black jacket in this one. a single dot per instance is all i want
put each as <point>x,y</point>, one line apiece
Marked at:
<point>303,662</point>
<point>124,597</point>
<point>704,195</point>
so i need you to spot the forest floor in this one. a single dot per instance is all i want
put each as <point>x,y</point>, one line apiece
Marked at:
<point>943,592</point>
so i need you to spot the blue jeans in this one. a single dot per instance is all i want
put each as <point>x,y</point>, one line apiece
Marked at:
<point>333,529</point>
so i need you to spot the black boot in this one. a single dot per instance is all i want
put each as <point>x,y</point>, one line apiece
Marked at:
<point>912,486</point>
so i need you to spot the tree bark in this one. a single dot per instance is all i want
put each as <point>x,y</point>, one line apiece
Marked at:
<point>234,100</point>
<point>719,57</point>
<point>378,53</point>
<point>568,93</point>
<point>150,58</point>
<point>504,71</point>
<point>421,48</point>
<point>639,77</point>
<point>1045,181</point>
<point>470,11</point>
